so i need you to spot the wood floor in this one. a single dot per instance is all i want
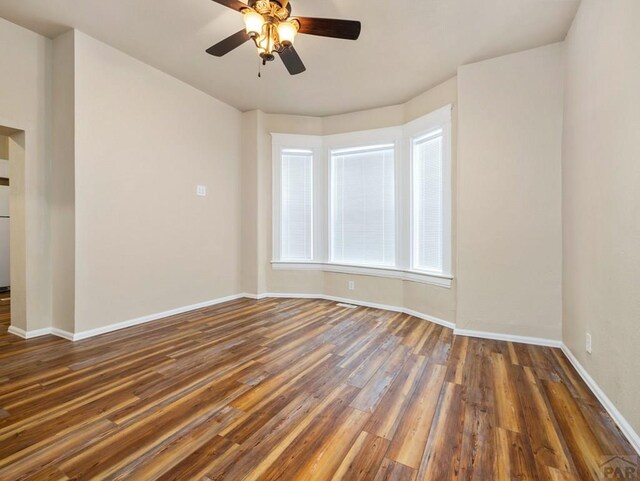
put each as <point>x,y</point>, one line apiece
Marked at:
<point>295,389</point>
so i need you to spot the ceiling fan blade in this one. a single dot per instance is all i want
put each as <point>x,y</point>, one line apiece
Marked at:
<point>229,43</point>
<point>235,4</point>
<point>292,60</point>
<point>328,27</point>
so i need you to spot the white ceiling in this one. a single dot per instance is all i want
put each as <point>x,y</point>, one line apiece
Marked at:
<point>406,46</point>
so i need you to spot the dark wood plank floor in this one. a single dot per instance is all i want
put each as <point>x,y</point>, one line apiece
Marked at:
<point>295,390</point>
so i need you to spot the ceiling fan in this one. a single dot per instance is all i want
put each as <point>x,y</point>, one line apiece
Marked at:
<point>273,30</point>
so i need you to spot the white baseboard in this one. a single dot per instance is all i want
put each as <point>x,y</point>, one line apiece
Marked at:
<point>152,317</point>
<point>251,296</point>
<point>435,320</point>
<point>616,415</point>
<point>374,305</point>
<point>120,325</point>
<point>63,334</point>
<point>16,331</point>
<point>536,341</point>
<point>28,334</point>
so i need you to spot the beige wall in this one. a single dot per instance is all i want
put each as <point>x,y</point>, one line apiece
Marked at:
<point>427,299</point>
<point>145,243</point>
<point>509,214</point>
<point>249,200</point>
<point>601,198</point>
<point>25,84</point>
<point>4,147</point>
<point>62,203</point>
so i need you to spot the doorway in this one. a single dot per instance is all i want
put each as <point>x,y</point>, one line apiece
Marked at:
<point>5,219</point>
<point>12,231</point>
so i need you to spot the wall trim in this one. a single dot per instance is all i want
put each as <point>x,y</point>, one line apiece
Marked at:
<point>62,333</point>
<point>616,415</point>
<point>16,331</point>
<point>120,325</point>
<point>152,317</point>
<point>374,305</point>
<point>536,341</point>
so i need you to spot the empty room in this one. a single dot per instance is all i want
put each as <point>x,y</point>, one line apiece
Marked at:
<point>278,240</point>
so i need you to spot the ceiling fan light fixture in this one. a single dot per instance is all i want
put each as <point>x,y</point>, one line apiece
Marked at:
<point>266,43</point>
<point>287,32</point>
<point>253,22</point>
<point>272,29</point>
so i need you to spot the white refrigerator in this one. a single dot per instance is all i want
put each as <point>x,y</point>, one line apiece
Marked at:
<point>4,226</point>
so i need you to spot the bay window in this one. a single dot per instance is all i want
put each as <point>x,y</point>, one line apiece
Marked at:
<point>427,206</point>
<point>296,208</point>
<point>375,202</point>
<point>362,206</point>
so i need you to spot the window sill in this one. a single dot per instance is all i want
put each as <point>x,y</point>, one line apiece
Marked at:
<point>389,272</point>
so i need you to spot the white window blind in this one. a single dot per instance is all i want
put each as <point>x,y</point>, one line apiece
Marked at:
<point>296,208</point>
<point>428,214</point>
<point>363,206</point>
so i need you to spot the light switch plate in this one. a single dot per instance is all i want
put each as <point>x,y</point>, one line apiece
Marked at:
<point>201,190</point>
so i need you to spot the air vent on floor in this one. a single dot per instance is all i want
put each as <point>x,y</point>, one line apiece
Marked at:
<point>348,306</point>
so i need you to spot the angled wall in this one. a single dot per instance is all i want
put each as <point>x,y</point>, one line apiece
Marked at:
<point>509,181</point>
<point>601,198</point>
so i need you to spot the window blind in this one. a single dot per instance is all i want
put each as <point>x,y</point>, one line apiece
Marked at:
<point>428,223</point>
<point>296,209</point>
<point>363,206</point>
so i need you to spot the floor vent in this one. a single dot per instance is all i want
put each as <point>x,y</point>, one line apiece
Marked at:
<point>348,306</point>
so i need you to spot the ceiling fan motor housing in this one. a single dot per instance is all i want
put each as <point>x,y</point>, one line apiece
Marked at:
<point>271,7</point>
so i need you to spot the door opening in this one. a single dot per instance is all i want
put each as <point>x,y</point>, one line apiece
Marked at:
<point>5,219</point>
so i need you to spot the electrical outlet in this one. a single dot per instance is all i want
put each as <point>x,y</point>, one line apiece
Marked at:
<point>588,343</point>
<point>201,190</point>
<point>352,285</point>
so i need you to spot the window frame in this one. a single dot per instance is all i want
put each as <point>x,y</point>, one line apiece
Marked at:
<point>281,143</point>
<point>301,152</point>
<point>369,139</point>
<point>438,120</point>
<point>402,137</point>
